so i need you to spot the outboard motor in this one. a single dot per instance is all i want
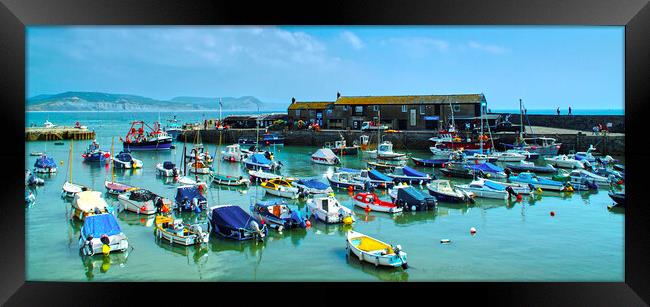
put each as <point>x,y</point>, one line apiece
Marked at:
<point>256,228</point>
<point>397,249</point>
<point>508,172</point>
<point>296,219</point>
<point>511,191</point>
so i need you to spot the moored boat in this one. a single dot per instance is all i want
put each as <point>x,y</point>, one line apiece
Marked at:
<point>372,202</point>
<point>94,154</point>
<point>482,189</point>
<point>618,197</point>
<point>259,161</point>
<point>543,146</point>
<point>261,176</point>
<point>155,139</point>
<point>409,175</point>
<point>374,251</point>
<point>177,232</point>
<point>124,160</point>
<point>385,151</point>
<point>70,189</point>
<point>564,161</point>
<point>101,234</point>
<point>340,148</point>
<point>524,166</point>
<point>229,180</point>
<point>143,201</point>
<point>325,156</point>
<point>87,203</point>
<point>508,156</point>
<point>345,180</point>
<point>277,215</point>
<point>167,169</point>
<point>281,188</point>
<point>45,165</point>
<point>410,199</point>
<point>233,153</point>
<point>442,190</point>
<point>189,198</point>
<point>538,182</point>
<point>116,188</point>
<point>271,139</point>
<point>312,186</point>
<point>199,167</point>
<point>430,162</point>
<point>232,222</point>
<point>329,210</point>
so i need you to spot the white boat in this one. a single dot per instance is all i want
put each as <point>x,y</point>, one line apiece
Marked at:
<point>101,234</point>
<point>260,175</point>
<point>541,145</point>
<point>443,191</point>
<point>143,201</point>
<point>481,189</point>
<point>329,210</point>
<point>508,156</point>
<point>70,189</point>
<point>345,180</point>
<point>167,169</point>
<point>374,203</point>
<point>87,203</point>
<point>325,156</point>
<point>184,180</point>
<point>581,176</point>
<point>585,155</point>
<point>124,160</point>
<point>178,232</point>
<point>385,151</point>
<point>439,152</point>
<point>529,155</point>
<point>48,124</point>
<point>281,188</point>
<point>374,251</point>
<point>233,153</point>
<point>564,161</point>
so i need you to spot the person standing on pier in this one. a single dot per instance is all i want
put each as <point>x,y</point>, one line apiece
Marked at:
<point>569,110</point>
<point>558,111</point>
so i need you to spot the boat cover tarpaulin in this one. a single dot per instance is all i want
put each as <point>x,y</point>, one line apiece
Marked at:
<point>349,170</point>
<point>376,175</point>
<point>168,165</point>
<point>118,186</point>
<point>486,167</point>
<point>413,173</point>
<point>411,195</point>
<point>494,185</point>
<point>231,217</point>
<point>101,224</point>
<point>268,203</point>
<point>142,195</point>
<point>260,159</point>
<point>124,157</point>
<point>313,184</point>
<point>45,162</point>
<point>87,201</point>
<point>190,192</point>
<point>325,153</point>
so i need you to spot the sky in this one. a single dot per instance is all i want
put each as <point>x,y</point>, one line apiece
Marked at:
<point>545,66</point>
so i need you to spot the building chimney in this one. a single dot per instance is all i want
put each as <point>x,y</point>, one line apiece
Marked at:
<point>293,100</point>
<point>338,95</point>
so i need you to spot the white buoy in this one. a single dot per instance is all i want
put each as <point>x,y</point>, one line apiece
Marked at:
<point>445,241</point>
<point>472,230</point>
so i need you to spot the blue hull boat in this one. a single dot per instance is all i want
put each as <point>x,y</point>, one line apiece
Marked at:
<point>232,222</point>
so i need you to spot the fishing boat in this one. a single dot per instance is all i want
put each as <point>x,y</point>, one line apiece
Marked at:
<point>271,139</point>
<point>385,151</point>
<point>508,156</point>
<point>261,176</point>
<point>199,167</point>
<point>325,156</point>
<point>345,180</point>
<point>177,232</point>
<point>281,188</point>
<point>429,162</point>
<point>155,139</point>
<point>167,169</point>
<point>484,189</point>
<point>143,201</point>
<point>258,161</point>
<point>124,160</point>
<point>564,161</point>
<point>229,180</point>
<point>529,155</point>
<point>409,175</point>
<point>189,198</point>
<point>374,251</point>
<point>233,222</point>
<point>538,182</point>
<point>372,202</point>
<point>277,215</point>
<point>618,197</point>
<point>488,169</point>
<point>442,190</point>
<point>88,203</point>
<point>543,146</point>
<point>329,210</point>
<point>458,169</point>
<point>94,154</point>
<point>101,234</point>
<point>233,153</point>
<point>411,199</point>
<point>45,165</point>
<point>173,128</point>
<point>524,166</point>
<point>311,186</point>
<point>386,165</point>
<point>340,148</point>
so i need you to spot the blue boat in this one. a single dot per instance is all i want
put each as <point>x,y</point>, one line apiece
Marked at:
<point>189,198</point>
<point>271,139</point>
<point>278,215</point>
<point>259,161</point>
<point>312,186</point>
<point>94,154</point>
<point>44,164</point>
<point>100,230</point>
<point>429,162</point>
<point>409,175</point>
<point>538,182</point>
<point>233,222</point>
<point>488,168</point>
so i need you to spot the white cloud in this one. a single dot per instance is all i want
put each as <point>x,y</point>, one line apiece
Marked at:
<point>494,49</point>
<point>352,39</point>
<point>418,46</point>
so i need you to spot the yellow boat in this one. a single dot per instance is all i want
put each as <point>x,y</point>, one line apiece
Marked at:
<point>175,231</point>
<point>280,187</point>
<point>374,251</point>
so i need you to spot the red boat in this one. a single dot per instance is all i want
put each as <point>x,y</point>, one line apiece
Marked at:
<point>372,202</point>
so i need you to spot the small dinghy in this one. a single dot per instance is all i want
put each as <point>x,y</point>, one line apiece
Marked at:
<point>524,166</point>
<point>564,161</point>
<point>345,180</point>
<point>177,232</point>
<point>618,197</point>
<point>124,160</point>
<point>258,161</point>
<point>486,190</point>
<point>312,186</point>
<point>508,156</point>
<point>143,201</point>
<point>233,153</point>
<point>31,180</point>
<point>281,188</point>
<point>442,190</point>
<point>233,222</point>
<point>70,189</point>
<point>101,234</point>
<point>372,202</point>
<point>386,165</point>
<point>429,162</point>
<point>189,198</point>
<point>116,188</point>
<point>538,182</point>
<point>167,169</point>
<point>411,199</point>
<point>325,156</point>
<point>261,176</point>
<point>94,154</point>
<point>229,180</point>
<point>409,175</point>
<point>277,215</point>
<point>374,251</point>
<point>87,203</point>
<point>340,148</point>
<point>36,153</point>
<point>329,210</point>
<point>44,165</point>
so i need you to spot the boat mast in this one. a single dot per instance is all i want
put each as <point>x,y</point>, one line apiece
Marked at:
<point>521,119</point>
<point>257,128</point>
<point>70,161</point>
<point>481,136</point>
<point>378,130</point>
<point>184,155</point>
<point>217,148</point>
<point>113,163</point>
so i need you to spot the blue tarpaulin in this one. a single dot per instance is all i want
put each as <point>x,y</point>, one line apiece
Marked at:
<point>486,167</point>
<point>168,165</point>
<point>349,170</point>
<point>376,175</point>
<point>101,224</point>
<point>190,192</point>
<point>494,185</point>
<point>260,159</point>
<point>413,173</point>
<point>124,157</point>
<point>313,184</point>
<point>231,217</point>
<point>45,162</point>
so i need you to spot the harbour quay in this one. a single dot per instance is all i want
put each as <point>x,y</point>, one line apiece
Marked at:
<point>58,133</point>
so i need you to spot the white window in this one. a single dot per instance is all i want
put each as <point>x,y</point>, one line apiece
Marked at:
<point>358,109</point>
<point>297,112</point>
<point>423,109</point>
<point>375,108</point>
<point>404,108</point>
<point>413,117</point>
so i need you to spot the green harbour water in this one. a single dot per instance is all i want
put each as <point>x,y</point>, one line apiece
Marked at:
<point>515,241</point>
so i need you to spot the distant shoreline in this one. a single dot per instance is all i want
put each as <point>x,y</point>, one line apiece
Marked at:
<point>163,111</point>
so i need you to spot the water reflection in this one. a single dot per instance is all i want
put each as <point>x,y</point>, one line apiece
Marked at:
<point>102,263</point>
<point>134,219</point>
<point>381,273</point>
<point>417,217</point>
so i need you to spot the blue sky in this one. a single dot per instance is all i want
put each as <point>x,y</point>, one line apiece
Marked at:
<point>545,66</point>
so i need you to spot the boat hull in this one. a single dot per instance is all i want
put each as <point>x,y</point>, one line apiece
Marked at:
<point>165,144</point>
<point>286,193</point>
<point>378,208</point>
<point>376,258</point>
<point>347,151</point>
<point>49,170</point>
<point>485,193</point>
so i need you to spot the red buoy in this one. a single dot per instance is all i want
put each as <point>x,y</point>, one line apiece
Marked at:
<point>472,230</point>
<point>519,197</point>
<point>552,213</point>
<point>308,223</point>
<point>350,188</point>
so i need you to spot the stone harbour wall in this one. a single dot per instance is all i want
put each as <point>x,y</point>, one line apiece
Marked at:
<point>576,122</point>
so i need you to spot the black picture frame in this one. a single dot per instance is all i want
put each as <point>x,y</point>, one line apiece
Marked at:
<point>15,15</point>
